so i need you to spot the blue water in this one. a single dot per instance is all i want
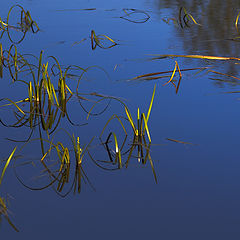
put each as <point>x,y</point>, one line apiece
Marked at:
<point>197,195</point>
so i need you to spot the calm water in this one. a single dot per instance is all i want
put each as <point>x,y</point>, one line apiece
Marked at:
<point>198,190</point>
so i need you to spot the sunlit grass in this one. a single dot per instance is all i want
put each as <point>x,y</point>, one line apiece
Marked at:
<point>97,40</point>
<point>185,17</point>
<point>140,130</point>
<point>25,24</point>
<point>62,164</point>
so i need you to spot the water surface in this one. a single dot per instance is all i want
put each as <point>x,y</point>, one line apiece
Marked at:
<point>197,195</point>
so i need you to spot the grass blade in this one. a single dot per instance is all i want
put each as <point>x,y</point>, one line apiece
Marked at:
<point>6,165</point>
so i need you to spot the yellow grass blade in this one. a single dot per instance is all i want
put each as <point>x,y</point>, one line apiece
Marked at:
<point>236,22</point>
<point>146,127</point>
<point>151,103</point>
<point>6,165</point>
<point>173,73</point>
<point>180,77</point>
<point>131,120</point>
<point>193,19</point>
<point>160,56</point>
<point>20,110</point>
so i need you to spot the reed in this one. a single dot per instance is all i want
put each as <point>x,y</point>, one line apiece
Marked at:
<point>96,40</point>
<point>186,17</point>
<point>3,202</point>
<point>139,131</point>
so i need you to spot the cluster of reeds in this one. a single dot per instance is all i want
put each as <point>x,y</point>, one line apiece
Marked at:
<point>47,98</point>
<point>62,164</point>
<point>46,104</point>
<point>139,141</point>
<point>25,24</point>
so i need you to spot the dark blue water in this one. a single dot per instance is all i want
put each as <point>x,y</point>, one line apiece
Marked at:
<point>198,190</point>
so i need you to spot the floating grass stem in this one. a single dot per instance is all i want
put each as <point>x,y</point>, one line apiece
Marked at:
<point>161,56</point>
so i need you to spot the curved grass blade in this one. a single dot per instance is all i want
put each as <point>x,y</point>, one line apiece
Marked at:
<point>15,104</point>
<point>6,165</point>
<point>96,39</point>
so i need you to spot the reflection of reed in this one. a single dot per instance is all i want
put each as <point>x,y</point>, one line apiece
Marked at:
<point>25,24</point>
<point>139,142</point>
<point>216,36</point>
<point>217,25</point>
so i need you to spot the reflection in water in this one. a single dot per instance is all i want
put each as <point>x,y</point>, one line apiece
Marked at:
<point>18,20</point>
<point>217,36</point>
<point>61,156</point>
<point>41,111</point>
<point>3,201</point>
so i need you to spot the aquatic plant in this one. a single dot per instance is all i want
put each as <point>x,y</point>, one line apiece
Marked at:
<point>139,129</point>
<point>3,203</point>
<point>185,17</point>
<point>96,40</point>
<point>25,24</point>
<point>61,165</point>
<point>47,98</point>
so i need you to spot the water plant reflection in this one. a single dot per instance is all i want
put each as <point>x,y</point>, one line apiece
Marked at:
<point>3,202</point>
<point>25,24</point>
